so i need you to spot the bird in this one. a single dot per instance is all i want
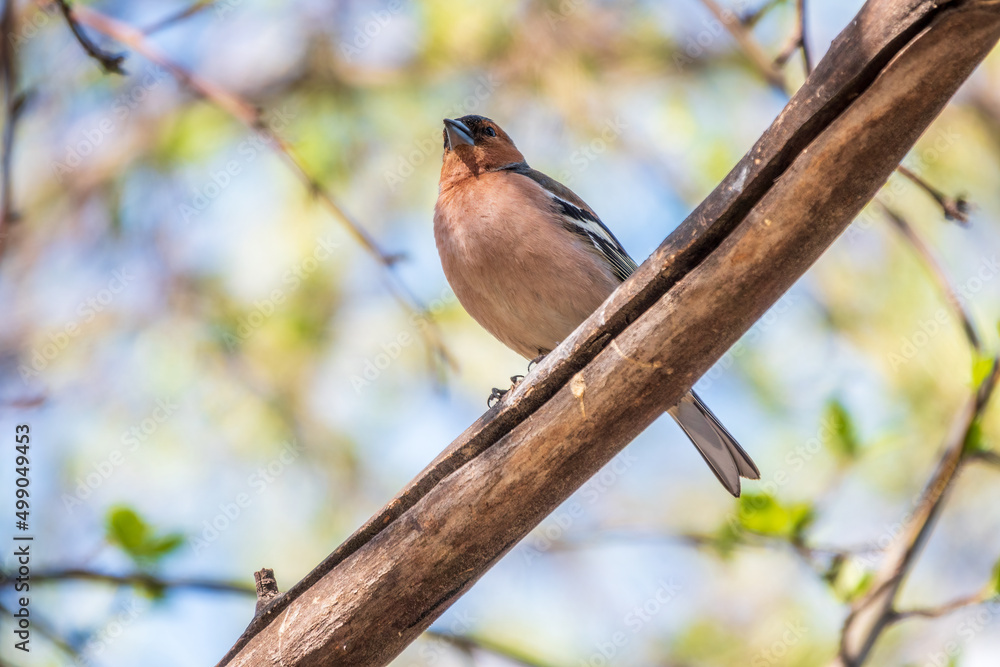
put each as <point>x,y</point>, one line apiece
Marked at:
<point>529,260</point>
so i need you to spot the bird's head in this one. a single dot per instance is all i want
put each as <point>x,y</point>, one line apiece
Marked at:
<point>476,144</point>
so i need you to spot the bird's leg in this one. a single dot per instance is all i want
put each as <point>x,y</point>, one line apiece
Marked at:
<point>495,397</point>
<point>497,394</point>
<point>537,360</point>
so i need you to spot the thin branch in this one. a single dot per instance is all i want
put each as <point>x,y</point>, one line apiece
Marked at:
<point>135,580</point>
<point>750,19</point>
<point>761,61</point>
<point>873,613</point>
<point>172,19</point>
<point>937,273</point>
<point>990,457</point>
<point>8,70</point>
<point>252,118</point>
<point>111,62</point>
<point>46,631</point>
<point>942,610</point>
<point>797,40</point>
<point>800,11</point>
<point>954,208</point>
<point>470,645</point>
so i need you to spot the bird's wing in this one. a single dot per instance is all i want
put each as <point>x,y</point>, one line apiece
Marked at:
<point>580,219</point>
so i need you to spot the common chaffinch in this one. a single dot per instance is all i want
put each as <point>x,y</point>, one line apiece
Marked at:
<point>530,261</point>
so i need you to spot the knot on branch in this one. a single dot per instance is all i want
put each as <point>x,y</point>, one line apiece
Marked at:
<point>267,588</point>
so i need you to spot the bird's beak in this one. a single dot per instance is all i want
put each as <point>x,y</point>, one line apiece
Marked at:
<point>457,133</point>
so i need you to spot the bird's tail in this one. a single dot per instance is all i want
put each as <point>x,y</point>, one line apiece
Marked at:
<point>715,444</point>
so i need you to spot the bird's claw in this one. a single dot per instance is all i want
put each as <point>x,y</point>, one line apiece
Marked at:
<point>495,397</point>
<point>537,360</point>
<point>498,394</point>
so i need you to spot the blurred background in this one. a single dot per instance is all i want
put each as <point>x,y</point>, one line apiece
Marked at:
<point>220,377</point>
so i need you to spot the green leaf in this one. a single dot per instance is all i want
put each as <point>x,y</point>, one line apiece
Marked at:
<point>981,367</point>
<point>127,529</point>
<point>995,580</point>
<point>843,439</point>
<point>760,513</point>
<point>726,539</point>
<point>136,537</point>
<point>850,580</point>
<point>974,441</point>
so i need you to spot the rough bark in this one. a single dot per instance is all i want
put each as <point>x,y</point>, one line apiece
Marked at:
<point>885,78</point>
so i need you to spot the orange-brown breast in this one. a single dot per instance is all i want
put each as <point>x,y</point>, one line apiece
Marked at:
<point>513,266</point>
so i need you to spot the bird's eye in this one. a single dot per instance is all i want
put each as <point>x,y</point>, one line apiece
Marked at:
<point>491,132</point>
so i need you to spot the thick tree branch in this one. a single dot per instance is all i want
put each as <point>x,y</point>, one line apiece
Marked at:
<point>885,78</point>
<point>954,208</point>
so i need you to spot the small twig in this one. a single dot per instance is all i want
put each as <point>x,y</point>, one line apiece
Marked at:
<point>8,70</point>
<point>134,580</point>
<point>471,645</point>
<point>267,588</point>
<point>111,62</point>
<point>46,631</point>
<point>797,40</point>
<point>990,457</point>
<point>751,18</point>
<point>946,608</point>
<point>937,273</point>
<point>171,19</point>
<point>954,208</point>
<point>753,50</point>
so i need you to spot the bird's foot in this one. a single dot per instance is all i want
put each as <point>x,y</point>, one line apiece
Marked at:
<point>498,394</point>
<point>495,397</point>
<point>537,360</point>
